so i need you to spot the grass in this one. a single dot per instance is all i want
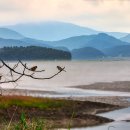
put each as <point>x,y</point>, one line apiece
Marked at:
<point>25,124</point>
<point>42,103</point>
<point>31,113</point>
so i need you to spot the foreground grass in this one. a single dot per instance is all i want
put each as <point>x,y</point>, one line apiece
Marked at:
<point>29,113</point>
<point>22,101</point>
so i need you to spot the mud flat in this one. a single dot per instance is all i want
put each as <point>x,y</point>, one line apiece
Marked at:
<point>56,112</point>
<point>122,86</point>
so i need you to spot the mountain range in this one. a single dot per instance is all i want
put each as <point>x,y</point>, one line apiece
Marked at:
<point>82,42</point>
<point>118,51</point>
<point>87,53</point>
<point>99,41</point>
<point>10,34</point>
<point>126,38</point>
<point>54,31</point>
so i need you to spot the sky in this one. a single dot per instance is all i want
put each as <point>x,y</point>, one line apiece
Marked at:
<point>103,15</point>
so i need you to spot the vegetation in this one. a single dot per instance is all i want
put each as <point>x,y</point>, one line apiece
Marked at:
<point>30,113</point>
<point>42,103</point>
<point>33,53</point>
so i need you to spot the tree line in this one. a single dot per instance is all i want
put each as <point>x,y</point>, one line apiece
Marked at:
<point>33,53</point>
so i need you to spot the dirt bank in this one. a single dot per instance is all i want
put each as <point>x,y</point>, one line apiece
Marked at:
<point>58,113</point>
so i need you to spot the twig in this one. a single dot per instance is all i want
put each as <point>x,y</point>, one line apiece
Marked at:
<point>12,117</point>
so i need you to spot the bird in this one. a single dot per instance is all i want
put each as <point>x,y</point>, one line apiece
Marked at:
<point>33,68</point>
<point>60,68</point>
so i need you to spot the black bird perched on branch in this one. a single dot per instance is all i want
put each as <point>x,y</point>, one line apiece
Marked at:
<point>33,68</point>
<point>60,68</point>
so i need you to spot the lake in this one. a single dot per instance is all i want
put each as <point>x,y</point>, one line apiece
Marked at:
<point>78,73</point>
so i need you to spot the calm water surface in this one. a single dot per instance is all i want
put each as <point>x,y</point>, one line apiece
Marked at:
<point>118,116</point>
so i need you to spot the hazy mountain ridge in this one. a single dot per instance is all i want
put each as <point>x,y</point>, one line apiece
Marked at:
<point>12,42</point>
<point>118,51</point>
<point>54,30</point>
<point>96,45</point>
<point>126,38</point>
<point>10,34</point>
<point>87,53</point>
<point>100,41</point>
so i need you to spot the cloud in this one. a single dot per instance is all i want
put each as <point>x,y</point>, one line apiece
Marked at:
<point>113,15</point>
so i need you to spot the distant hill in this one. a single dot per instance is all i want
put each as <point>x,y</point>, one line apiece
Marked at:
<point>9,34</point>
<point>100,41</point>
<point>126,38</point>
<point>54,30</point>
<point>61,48</point>
<point>87,53</point>
<point>36,42</point>
<point>117,34</point>
<point>12,42</point>
<point>28,42</point>
<point>118,51</point>
<point>22,42</point>
<point>51,31</point>
<point>33,53</point>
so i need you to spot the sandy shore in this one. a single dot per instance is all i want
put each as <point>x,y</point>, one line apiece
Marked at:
<point>122,86</point>
<point>114,100</point>
<point>26,92</point>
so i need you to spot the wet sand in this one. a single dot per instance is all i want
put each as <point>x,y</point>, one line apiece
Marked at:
<point>114,100</point>
<point>122,86</point>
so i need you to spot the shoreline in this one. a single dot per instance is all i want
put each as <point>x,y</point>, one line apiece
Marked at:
<point>60,118</point>
<point>118,86</point>
<point>56,112</point>
<point>121,86</point>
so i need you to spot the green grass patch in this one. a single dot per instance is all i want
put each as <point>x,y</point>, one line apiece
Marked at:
<point>42,103</point>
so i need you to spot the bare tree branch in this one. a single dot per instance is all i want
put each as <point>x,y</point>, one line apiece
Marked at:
<point>21,74</point>
<point>28,68</point>
<point>16,74</point>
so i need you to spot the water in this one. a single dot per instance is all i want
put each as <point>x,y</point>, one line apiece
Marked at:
<point>117,125</point>
<point>118,116</point>
<point>128,99</point>
<point>78,73</point>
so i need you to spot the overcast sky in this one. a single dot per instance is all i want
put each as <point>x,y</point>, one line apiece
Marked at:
<point>107,15</point>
